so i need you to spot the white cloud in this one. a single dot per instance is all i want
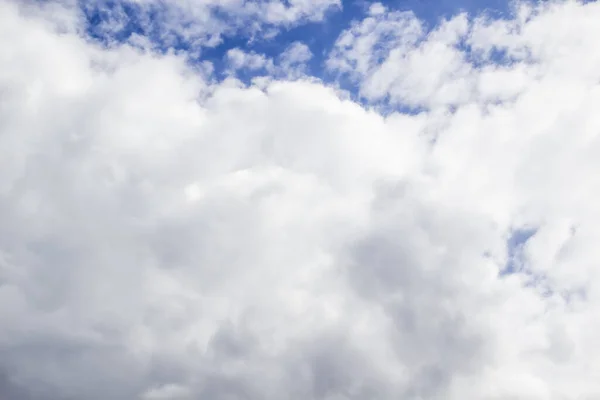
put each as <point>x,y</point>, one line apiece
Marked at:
<point>363,47</point>
<point>290,64</point>
<point>239,59</point>
<point>392,57</point>
<point>164,237</point>
<point>296,52</point>
<point>293,60</point>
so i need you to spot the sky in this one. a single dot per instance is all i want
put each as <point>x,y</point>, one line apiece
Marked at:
<point>299,200</point>
<point>268,38</point>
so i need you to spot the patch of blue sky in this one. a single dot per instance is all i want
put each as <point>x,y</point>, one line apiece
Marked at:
<point>103,13</point>
<point>431,12</point>
<point>514,245</point>
<point>516,264</point>
<point>117,20</point>
<point>110,21</point>
<point>318,36</point>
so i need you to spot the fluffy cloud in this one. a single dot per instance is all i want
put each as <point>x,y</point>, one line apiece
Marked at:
<point>164,236</point>
<point>295,53</point>
<point>239,59</point>
<point>290,64</point>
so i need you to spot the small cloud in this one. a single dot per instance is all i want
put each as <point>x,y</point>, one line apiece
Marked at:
<point>295,53</point>
<point>238,59</point>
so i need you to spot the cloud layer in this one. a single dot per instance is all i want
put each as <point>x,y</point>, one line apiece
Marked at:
<point>166,235</point>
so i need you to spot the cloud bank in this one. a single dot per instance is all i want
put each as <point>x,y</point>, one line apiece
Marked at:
<point>166,235</point>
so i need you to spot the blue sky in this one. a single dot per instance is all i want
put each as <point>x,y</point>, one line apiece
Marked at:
<point>319,36</point>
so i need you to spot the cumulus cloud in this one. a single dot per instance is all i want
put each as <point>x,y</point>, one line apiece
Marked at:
<point>166,236</point>
<point>239,59</point>
<point>393,57</point>
<point>290,64</point>
<point>296,53</point>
